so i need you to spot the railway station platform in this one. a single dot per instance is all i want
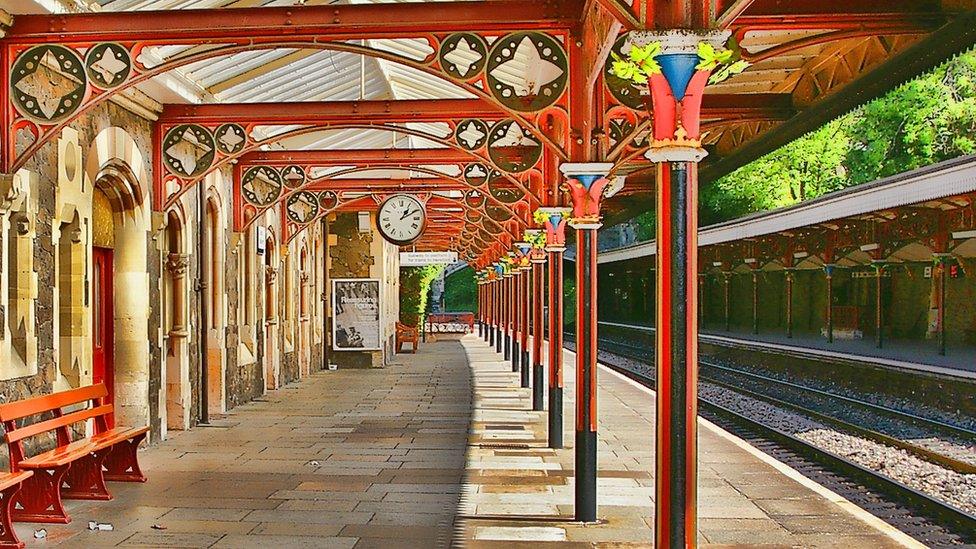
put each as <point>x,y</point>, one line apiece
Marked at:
<point>439,448</point>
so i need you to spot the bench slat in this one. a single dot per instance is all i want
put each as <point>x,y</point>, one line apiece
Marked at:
<point>59,456</point>
<point>16,435</point>
<point>9,479</point>
<point>38,405</point>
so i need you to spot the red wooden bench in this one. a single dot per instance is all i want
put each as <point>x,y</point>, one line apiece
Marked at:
<point>406,334</point>
<point>73,469</point>
<point>450,322</point>
<point>9,484</point>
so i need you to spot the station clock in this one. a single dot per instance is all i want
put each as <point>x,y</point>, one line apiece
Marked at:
<point>401,219</point>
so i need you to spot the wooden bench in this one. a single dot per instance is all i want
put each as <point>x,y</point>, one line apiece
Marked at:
<point>74,469</point>
<point>9,485</point>
<point>406,334</point>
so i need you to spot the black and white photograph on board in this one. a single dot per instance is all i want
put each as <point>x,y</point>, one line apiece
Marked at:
<point>356,314</point>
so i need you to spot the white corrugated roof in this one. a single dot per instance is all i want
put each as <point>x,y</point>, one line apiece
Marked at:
<point>291,75</point>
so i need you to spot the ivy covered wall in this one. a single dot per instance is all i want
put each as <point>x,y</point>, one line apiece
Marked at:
<point>414,289</point>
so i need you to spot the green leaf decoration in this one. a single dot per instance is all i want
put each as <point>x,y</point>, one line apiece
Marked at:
<point>639,64</point>
<point>728,70</point>
<point>710,57</point>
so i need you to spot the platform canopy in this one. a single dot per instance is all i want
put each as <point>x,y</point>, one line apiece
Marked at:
<point>471,105</point>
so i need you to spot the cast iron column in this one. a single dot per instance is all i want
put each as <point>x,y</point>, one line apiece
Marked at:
<point>676,93</point>
<point>499,313</point>
<point>879,271</point>
<point>829,272</point>
<point>481,308</point>
<point>493,332</point>
<point>516,318</point>
<point>789,303</point>
<point>507,299</point>
<point>677,354</point>
<point>527,289</point>
<point>586,184</point>
<point>538,375</point>
<point>755,302</point>
<point>555,246</point>
<point>942,261</point>
<point>727,282</point>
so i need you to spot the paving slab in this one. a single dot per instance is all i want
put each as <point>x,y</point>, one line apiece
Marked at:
<point>351,458</point>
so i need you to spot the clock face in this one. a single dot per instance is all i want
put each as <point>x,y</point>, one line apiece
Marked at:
<point>401,219</point>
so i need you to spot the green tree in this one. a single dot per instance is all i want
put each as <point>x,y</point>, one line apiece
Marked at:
<point>927,120</point>
<point>460,291</point>
<point>804,169</point>
<point>414,288</point>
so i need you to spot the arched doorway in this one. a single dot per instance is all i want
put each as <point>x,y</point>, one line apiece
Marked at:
<point>119,290</point>
<point>103,290</point>
<point>272,362</point>
<point>175,330</point>
<point>115,168</point>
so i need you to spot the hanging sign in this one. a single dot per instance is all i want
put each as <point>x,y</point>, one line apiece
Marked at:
<point>355,314</point>
<point>419,259</point>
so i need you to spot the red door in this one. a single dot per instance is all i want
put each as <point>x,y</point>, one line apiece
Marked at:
<point>103,321</point>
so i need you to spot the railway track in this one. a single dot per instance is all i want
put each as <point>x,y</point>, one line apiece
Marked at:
<point>921,516</point>
<point>952,447</point>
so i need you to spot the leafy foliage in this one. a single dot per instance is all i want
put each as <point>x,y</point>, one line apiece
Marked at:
<point>414,288</point>
<point>461,291</point>
<point>927,120</point>
<point>639,64</point>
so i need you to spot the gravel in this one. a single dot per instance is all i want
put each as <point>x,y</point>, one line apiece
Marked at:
<point>949,486</point>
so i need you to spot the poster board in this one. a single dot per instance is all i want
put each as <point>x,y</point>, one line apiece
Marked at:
<point>356,314</point>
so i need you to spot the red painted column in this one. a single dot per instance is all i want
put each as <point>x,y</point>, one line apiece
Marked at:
<point>555,225</point>
<point>516,304</point>
<point>586,182</point>
<point>537,257</point>
<point>508,303</point>
<point>675,95</point>
<point>493,335</point>
<point>525,304</point>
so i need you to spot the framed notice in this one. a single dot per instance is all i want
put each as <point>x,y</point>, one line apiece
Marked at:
<point>356,314</point>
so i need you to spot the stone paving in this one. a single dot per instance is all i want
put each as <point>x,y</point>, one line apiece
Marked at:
<point>351,458</point>
<point>441,446</point>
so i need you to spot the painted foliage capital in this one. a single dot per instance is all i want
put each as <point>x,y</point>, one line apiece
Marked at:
<point>177,263</point>
<point>554,220</point>
<point>586,183</point>
<point>688,60</point>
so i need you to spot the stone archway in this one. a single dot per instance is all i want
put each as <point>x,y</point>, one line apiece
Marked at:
<point>176,333</point>
<point>117,169</point>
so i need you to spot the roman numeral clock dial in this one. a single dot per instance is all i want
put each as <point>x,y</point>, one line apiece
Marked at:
<point>401,219</point>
